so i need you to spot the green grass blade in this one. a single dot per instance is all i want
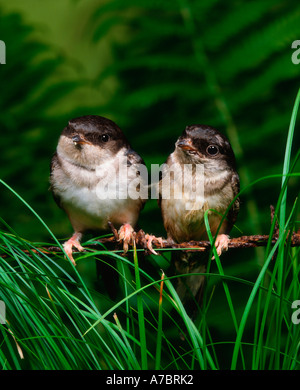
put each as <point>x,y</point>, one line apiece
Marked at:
<point>159,326</point>
<point>253,293</point>
<point>282,215</point>
<point>141,319</point>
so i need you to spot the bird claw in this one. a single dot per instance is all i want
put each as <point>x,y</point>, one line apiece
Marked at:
<point>146,241</point>
<point>114,230</point>
<point>221,244</point>
<point>126,234</point>
<point>68,247</point>
<point>149,239</point>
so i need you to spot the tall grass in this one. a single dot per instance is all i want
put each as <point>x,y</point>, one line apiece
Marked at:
<point>56,320</point>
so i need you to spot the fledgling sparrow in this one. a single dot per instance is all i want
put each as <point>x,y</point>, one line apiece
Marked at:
<point>210,157</point>
<point>93,150</point>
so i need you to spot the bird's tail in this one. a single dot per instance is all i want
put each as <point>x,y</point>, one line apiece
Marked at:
<point>107,277</point>
<point>190,287</point>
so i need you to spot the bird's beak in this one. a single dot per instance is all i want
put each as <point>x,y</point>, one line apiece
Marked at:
<point>186,144</point>
<point>78,140</point>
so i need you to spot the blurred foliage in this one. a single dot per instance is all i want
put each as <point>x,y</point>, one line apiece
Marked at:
<point>176,63</point>
<point>26,129</point>
<point>40,85</point>
<point>170,64</point>
<point>224,64</point>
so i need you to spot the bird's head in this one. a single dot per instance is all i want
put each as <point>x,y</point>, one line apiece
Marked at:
<point>91,140</point>
<point>202,144</point>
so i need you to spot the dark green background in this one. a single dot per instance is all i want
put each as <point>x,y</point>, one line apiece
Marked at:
<point>153,67</point>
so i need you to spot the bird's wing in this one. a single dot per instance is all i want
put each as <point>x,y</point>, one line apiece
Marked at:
<point>53,165</point>
<point>160,182</point>
<point>233,212</point>
<point>134,159</point>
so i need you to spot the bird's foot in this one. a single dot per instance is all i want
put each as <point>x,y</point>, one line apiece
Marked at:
<point>126,234</point>
<point>221,244</point>
<point>146,241</point>
<point>114,230</point>
<point>73,242</point>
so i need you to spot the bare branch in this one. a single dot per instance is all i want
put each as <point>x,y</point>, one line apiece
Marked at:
<point>256,240</point>
<point>234,243</point>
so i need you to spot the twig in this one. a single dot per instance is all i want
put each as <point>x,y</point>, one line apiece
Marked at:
<point>159,243</point>
<point>234,243</point>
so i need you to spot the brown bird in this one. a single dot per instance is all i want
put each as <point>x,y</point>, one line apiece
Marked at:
<point>88,180</point>
<point>211,183</point>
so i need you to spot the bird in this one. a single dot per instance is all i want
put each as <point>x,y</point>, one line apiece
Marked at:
<point>91,173</point>
<point>210,185</point>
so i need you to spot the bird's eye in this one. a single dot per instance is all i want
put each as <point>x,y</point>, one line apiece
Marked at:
<point>76,139</point>
<point>104,137</point>
<point>212,150</point>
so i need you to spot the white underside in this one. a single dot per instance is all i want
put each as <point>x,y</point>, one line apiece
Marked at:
<point>92,198</point>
